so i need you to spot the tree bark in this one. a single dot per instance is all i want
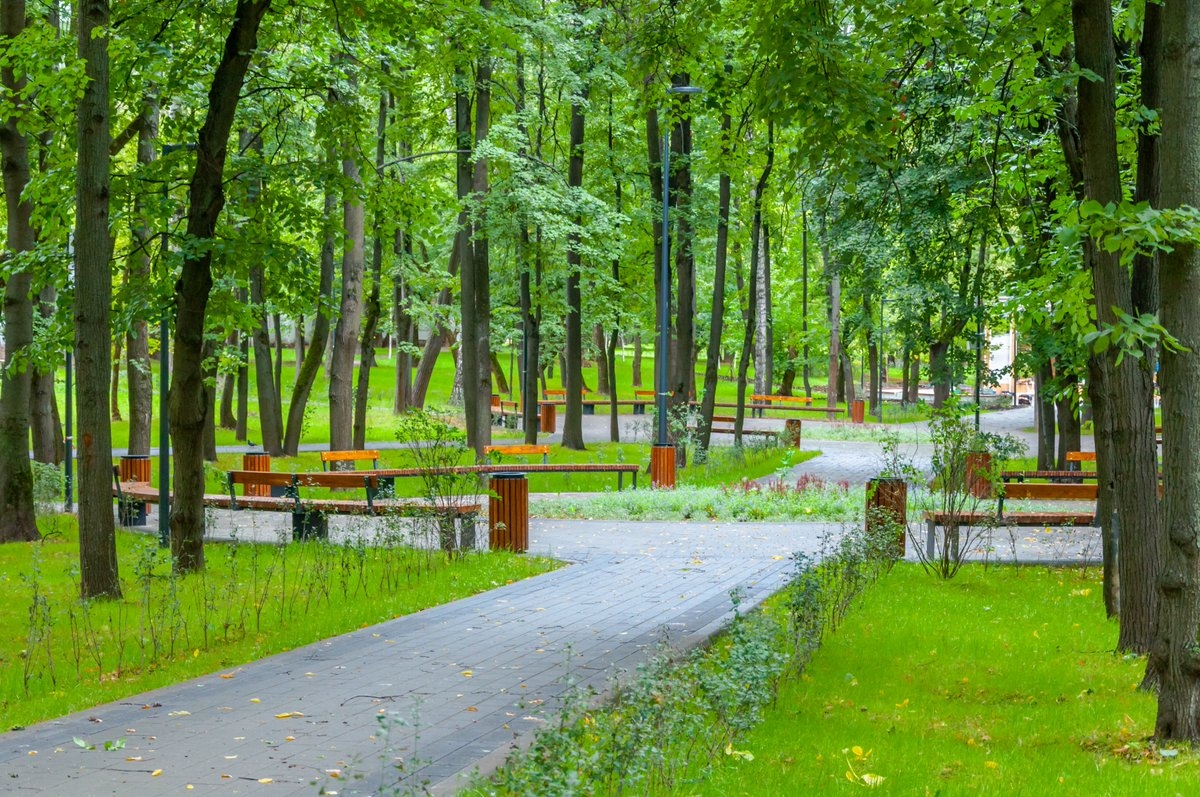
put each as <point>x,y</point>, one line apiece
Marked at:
<point>270,413</point>
<point>1173,665</point>
<point>345,336</point>
<point>316,350</point>
<point>603,387</point>
<point>572,434</point>
<point>804,353</point>
<point>834,318</point>
<point>716,327</point>
<point>1044,417</point>
<point>114,384</point>
<point>98,575</point>
<point>439,339</point>
<point>682,384</point>
<point>47,433</point>
<point>1121,393</point>
<point>206,197</point>
<point>366,347</point>
<point>139,375</point>
<point>17,523</point>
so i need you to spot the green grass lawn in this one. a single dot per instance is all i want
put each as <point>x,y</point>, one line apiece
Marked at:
<point>381,423</point>
<point>59,654</point>
<point>1000,682</point>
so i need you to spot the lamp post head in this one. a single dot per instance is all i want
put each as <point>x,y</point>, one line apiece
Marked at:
<point>685,90</point>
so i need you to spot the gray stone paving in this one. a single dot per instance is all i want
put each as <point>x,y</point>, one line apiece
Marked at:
<point>456,686</point>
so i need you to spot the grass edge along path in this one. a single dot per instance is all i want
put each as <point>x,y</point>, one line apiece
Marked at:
<point>1001,681</point>
<point>59,654</point>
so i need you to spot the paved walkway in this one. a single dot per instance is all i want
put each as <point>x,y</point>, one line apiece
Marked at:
<point>456,687</point>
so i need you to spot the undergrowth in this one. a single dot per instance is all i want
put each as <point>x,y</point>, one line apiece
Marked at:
<point>60,653</point>
<point>810,498</point>
<point>664,728</point>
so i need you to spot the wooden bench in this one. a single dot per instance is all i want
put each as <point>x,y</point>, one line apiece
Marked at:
<point>619,468</point>
<point>640,399</point>
<point>762,398</point>
<point>1036,491</point>
<point>309,515</point>
<point>560,393</point>
<point>334,458</point>
<point>1051,475</point>
<point>1075,459</point>
<point>505,412</point>
<point>523,450</point>
<point>729,428</point>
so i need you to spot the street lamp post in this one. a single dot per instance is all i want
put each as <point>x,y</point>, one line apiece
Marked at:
<point>662,454</point>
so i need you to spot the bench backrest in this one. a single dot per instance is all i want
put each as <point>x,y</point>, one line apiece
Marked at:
<point>349,456</point>
<point>1076,457</point>
<point>1052,492</point>
<point>769,399</point>
<point>520,450</point>
<point>292,482</point>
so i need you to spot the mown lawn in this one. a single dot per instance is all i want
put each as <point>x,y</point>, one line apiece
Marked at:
<point>1000,682</point>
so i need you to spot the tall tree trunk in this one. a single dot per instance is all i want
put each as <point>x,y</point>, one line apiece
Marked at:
<point>834,318</point>
<point>787,382</point>
<point>277,324</point>
<point>716,327</point>
<point>481,264</point>
<point>529,261</point>
<point>47,434</point>
<point>914,378</point>
<point>531,342</point>
<point>270,413</point>
<point>114,384</point>
<point>241,423</point>
<point>601,348</point>
<point>1121,393</point>
<point>873,355</point>
<point>939,371</point>
<point>1044,417</point>
<point>682,385</point>
<point>635,364</point>
<point>210,415</point>
<point>17,522</point>
<point>1174,665</point>
<point>402,321</point>
<point>366,348</point>
<point>206,197</point>
<point>345,336</point>
<point>572,434</point>
<point>804,354</point>
<point>764,377</point>
<point>225,417</point>
<point>747,353</point>
<point>1069,427</point>
<point>440,338</point>
<point>98,575</point>
<point>316,350</point>
<point>139,375</point>
<point>847,371</point>
<point>466,253</point>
